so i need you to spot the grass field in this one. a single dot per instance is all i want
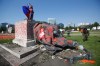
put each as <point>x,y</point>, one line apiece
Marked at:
<point>6,38</point>
<point>93,45</point>
<point>5,41</point>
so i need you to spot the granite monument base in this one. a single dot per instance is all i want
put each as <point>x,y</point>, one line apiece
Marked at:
<point>24,43</point>
<point>24,33</point>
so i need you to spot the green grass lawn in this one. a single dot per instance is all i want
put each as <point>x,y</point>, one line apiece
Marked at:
<point>95,32</point>
<point>91,32</point>
<point>93,45</point>
<point>5,41</point>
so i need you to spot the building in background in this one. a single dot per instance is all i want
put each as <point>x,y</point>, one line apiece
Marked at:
<point>4,24</point>
<point>94,28</point>
<point>83,23</point>
<point>52,21</point>
<point>7,28</point>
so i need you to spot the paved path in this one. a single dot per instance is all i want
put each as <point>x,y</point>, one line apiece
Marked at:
<point>49,62</point>
<point>55,62</point>
<point>3,61</point>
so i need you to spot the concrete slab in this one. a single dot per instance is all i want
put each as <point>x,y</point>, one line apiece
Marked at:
<point>4,62</point>
<point>55,62</point>
<point>15,61</point>
<point>24,42</point>
<point>33,59</point>
<point>19,51</point>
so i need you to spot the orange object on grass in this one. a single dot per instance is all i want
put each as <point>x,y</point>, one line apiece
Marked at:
<point>88,61</point>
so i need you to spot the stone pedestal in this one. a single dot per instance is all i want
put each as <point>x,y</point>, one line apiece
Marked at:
<point>24,33</point>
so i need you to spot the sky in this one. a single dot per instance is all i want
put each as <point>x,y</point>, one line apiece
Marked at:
<point>68,12</point>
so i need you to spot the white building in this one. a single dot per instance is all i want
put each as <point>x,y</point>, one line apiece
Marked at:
<point>98,27</point>
<point>83,23</point>
<point>94,28</point>
<point>52,20</point>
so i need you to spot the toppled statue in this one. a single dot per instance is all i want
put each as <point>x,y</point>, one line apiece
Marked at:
<point>28,11</point>
<point>54,44</point>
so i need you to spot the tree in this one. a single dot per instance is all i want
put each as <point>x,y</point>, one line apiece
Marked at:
<point>0,30</point>
<point>96,24</point>
<point>66,28</point>
<point>70,27</point>
<point>3,29</point>
<point>61,25</point>
<point>90,26</point>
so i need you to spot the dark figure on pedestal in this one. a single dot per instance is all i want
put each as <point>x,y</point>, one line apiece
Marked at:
<point>28,11</point>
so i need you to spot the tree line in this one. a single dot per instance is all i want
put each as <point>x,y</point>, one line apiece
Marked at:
<point>61,26</point>
<point>90,26</point>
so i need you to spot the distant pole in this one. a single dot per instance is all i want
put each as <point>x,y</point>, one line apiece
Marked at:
<point>74,25</point>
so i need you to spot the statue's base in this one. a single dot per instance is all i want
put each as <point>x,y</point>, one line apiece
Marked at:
<point>19,56</point>
<point>24,43</point>
<point>24,33</point>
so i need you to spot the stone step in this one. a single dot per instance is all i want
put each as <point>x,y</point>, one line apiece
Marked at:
<point>15,61</point>
<point>19,51</point>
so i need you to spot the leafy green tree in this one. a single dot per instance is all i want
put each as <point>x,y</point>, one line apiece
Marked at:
<point>0,30</point>
<point>61,25</point>
<point>66,28</point>
<point>4,29</point>
<point>70,27</point>
<point>90,26</point>
<point>96,24</point>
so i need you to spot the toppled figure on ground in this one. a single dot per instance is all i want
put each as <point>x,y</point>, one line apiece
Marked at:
<point>49,35</point>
